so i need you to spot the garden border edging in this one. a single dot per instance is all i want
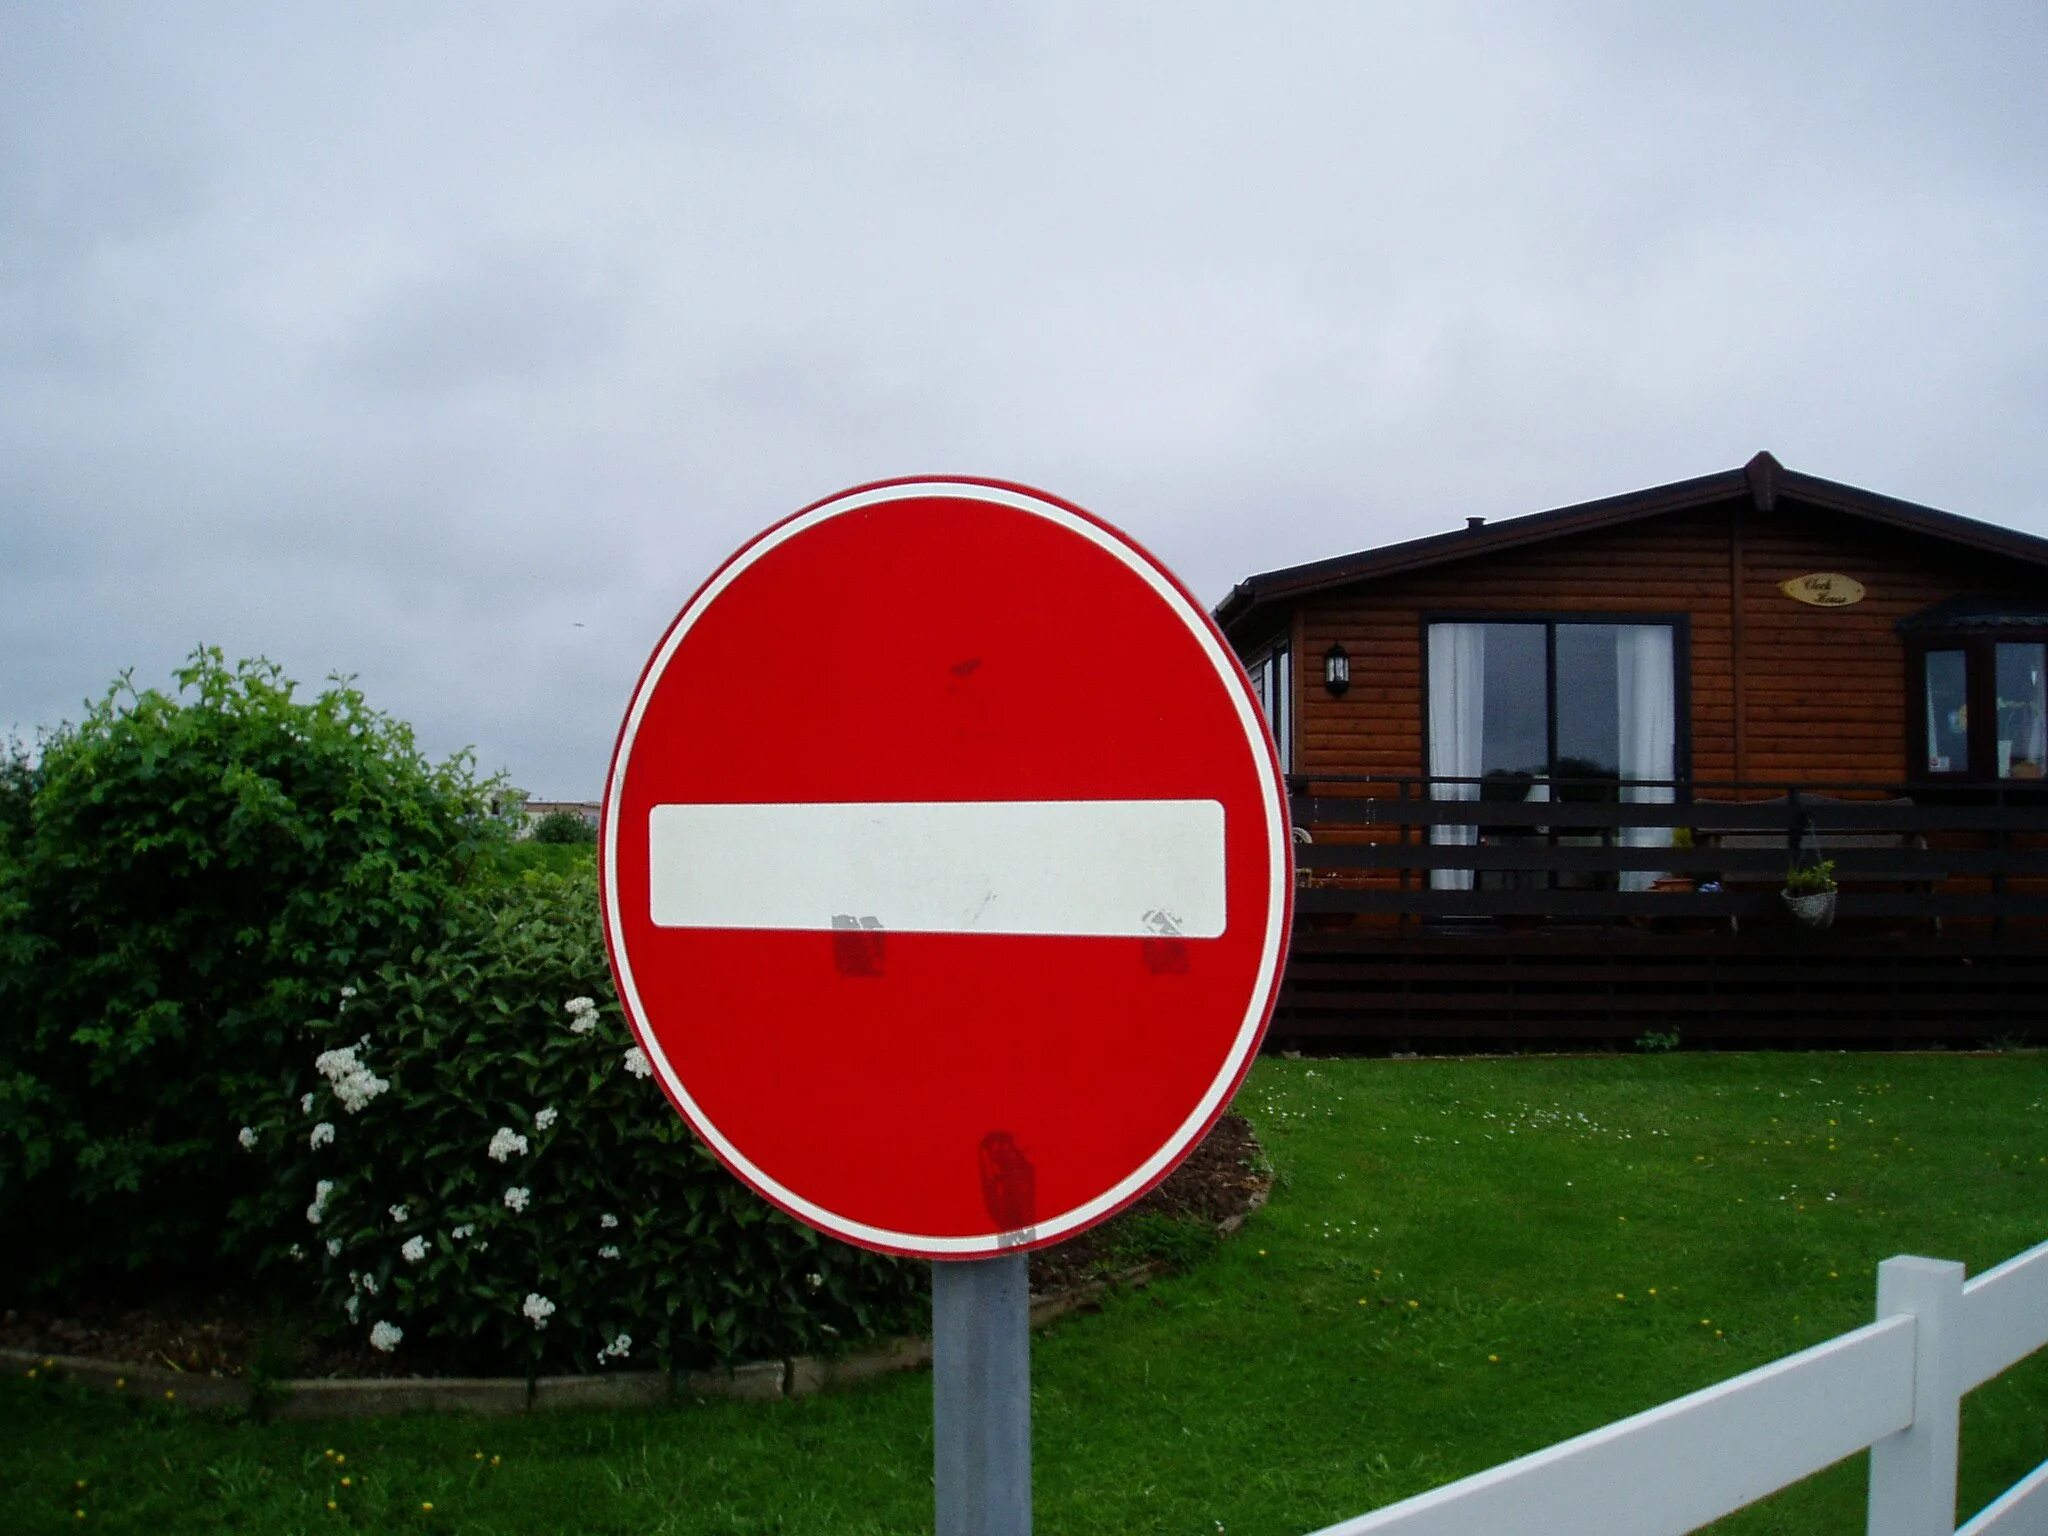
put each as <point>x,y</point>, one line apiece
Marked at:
<point>371,1397</point>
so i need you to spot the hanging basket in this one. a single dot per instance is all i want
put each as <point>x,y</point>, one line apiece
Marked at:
<point>1815,909</point>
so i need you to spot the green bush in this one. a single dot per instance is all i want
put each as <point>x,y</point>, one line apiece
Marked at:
<point>471,1163</point>
<point>514,859</point>
<point>563,827</point>
<point>183,879</point>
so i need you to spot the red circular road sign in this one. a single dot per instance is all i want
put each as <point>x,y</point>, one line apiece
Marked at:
<point>945,867</point>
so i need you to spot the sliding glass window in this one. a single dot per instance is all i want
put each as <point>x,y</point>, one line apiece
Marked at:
<point>1553,709</point>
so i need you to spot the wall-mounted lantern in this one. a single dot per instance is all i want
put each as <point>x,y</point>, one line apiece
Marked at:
<point>1336,670</point>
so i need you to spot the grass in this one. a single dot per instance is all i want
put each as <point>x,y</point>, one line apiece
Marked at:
<point>513,859</point>
<point>1462,1261</point>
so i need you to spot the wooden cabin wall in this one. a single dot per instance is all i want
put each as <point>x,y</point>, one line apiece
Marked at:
<point>1823,691</point>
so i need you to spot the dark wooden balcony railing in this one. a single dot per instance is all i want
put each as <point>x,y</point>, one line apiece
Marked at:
<point>1900,852</point>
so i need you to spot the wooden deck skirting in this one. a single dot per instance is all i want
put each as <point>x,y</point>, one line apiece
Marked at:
<point>1941,936</point>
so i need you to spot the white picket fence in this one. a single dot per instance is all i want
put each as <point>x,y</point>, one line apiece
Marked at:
<point>1894,1387</point>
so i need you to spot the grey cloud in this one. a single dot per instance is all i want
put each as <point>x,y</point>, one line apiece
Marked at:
<point>398,341</point>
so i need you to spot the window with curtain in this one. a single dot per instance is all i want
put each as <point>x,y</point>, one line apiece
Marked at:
<point>1535,710</point>
<point>1272,678</point>
<point>1983,709</point>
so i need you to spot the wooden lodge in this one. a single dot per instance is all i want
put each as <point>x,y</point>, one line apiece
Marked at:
<point>1550,773</point>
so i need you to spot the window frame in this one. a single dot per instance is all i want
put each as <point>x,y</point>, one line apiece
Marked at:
<point>1980,694</point>
<point>1680,625</point>
<point>1273,688</point>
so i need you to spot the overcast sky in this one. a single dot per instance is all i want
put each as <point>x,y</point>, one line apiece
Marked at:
<point>452,347</point>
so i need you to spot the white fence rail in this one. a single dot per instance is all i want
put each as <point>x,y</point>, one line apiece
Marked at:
<point>1894,1386</point>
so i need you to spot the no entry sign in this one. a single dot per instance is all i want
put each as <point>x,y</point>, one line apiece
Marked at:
<point>945,867</point>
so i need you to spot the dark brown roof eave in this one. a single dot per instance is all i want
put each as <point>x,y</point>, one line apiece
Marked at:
<point>1438,548</point>
<point>1763,482</point>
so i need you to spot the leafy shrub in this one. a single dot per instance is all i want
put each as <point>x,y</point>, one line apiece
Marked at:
<point>514,859</point>
<point>563,827</point>
<point>182,878</point>
<point>482,1172</point>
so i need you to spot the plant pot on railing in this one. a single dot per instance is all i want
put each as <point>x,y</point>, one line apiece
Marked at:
<point>1810,894</point>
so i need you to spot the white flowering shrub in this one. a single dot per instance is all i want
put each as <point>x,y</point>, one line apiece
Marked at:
<point>515,1193</point>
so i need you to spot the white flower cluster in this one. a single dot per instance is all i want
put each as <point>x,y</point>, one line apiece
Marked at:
<point>607,1220</point>
<point>815,1281</point>
<point>538,1307</point>
<point>516,1198</point>
<point>463,1231</point>
<point>334,1247</point>
<point>365,1283</point>
<point>323,1133</point>
<point>246,1136</point>
<point>620,1347</point>
<point>296,1251</point>
<point>353,1083</point>
<point>400,1212</point>
<point>346,994</point>
<point>608,1251</point>
<point>505,1144</point>
<point>582,1015</point>
<point>414,1250</point>
<point>638,1064</point>
<point>306,1103</point>
<point>545,1118</point>
<point>385,1337</point>
<point>352,1306</point>
<point>318,1208</point>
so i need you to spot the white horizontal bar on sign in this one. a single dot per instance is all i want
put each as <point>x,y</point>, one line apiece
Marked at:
<point>2005,1315</point>
<point>1676,1467</point>
<point>2022,1510</point>
<point>1084,868</point>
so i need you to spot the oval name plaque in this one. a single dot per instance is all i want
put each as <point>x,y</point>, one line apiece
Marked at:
<point>1823,589</point>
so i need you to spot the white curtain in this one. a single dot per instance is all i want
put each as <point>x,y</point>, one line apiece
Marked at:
<point>1646,703</point>
<point>1457,720</point>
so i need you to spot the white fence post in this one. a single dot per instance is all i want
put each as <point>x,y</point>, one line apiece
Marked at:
<point>1913,1473</point>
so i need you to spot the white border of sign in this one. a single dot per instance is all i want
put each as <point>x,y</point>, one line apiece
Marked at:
<point>1279,872</point>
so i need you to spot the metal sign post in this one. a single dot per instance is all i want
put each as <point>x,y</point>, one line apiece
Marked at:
<point>981,1396</point>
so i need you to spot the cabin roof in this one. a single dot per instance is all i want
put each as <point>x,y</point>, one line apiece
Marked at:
<point>1763,481</point>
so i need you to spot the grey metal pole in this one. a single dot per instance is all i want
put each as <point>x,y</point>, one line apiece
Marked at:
<point>981,1396</point>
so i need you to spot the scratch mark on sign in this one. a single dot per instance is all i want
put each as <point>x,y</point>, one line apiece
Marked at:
<point>1009,1184</point>
<point>857,945</point>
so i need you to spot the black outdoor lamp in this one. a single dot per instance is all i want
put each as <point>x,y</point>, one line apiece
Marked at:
<point>1336,670</point>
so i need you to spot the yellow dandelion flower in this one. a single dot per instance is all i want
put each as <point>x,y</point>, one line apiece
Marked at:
<point>426,1506</point>
<point>169,1395</point>
<point>120,1381</point>
<point>49,1365</point>
<point>330,1503</point>
<point>1621,1296</point>
<point>1653,1290</point>
<point>31,1373</point>
<point>1414,1303</point>
<point>1493,1359</point>
<point>348,1482</point>
<point>495,1460</point>
<point>338,1460</point>
<point>478,1456</point>
<point>1363,1302</point>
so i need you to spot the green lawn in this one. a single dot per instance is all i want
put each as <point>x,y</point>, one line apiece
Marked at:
<point>1462,1261</point>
